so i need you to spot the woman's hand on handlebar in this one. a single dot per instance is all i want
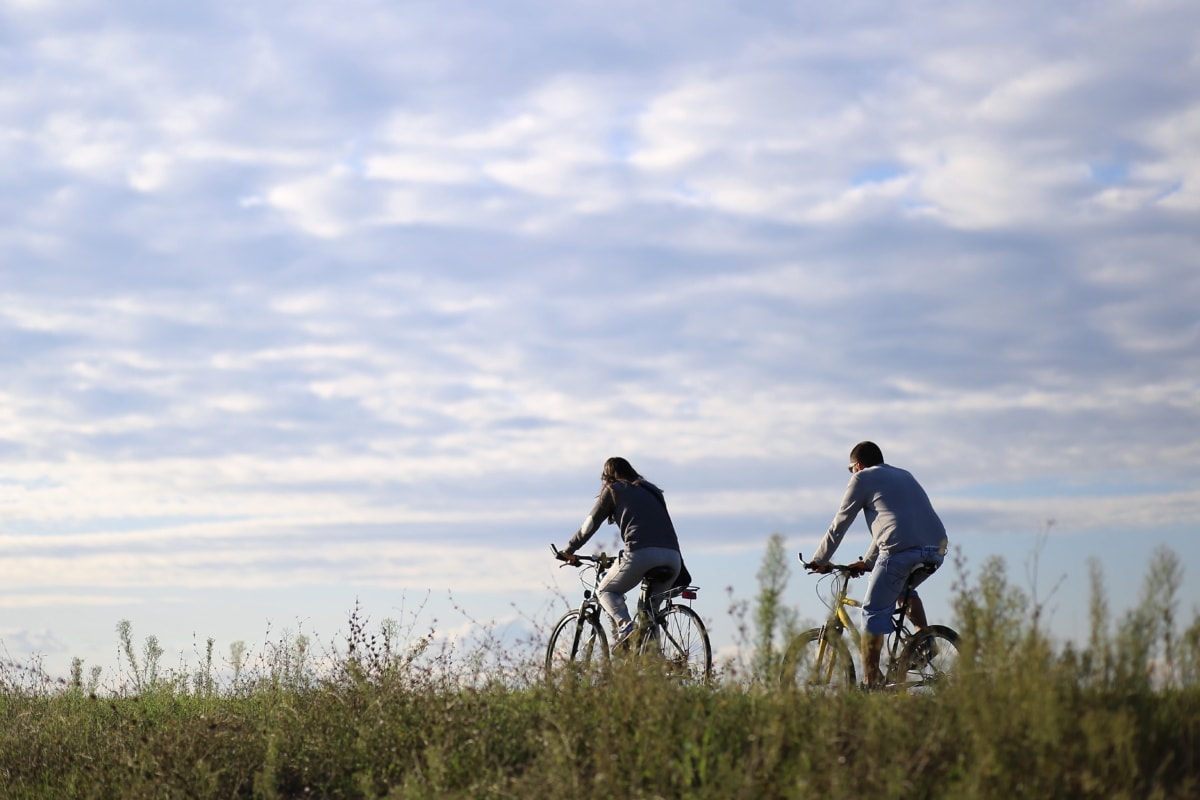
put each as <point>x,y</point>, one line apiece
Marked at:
<point>563,555</point>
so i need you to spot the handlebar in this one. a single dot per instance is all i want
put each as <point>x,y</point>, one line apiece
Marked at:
<point>600,559</point>
<point>853,572</point>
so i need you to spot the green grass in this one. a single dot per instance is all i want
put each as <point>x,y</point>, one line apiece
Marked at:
<point>380,718</point>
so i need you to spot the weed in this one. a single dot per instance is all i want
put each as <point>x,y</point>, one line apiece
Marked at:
<point>389,711</point>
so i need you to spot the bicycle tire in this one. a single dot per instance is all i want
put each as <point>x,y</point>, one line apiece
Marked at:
<point>682,642</point>
<point>816,660</point>
<point>930,659</point>
<point>576,641</point>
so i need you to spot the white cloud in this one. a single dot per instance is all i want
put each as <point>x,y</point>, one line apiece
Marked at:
<point>42,600</point>
<point>418,168</point>
<point>1033,93</point>
<point>318,203</point>
<point>272,276</point>
<point>1177,171</point>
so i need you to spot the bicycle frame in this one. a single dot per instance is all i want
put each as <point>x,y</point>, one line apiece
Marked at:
<point>579,634</point>
<point>589,608</point>
<point>649,618</point>
<point>670,630</point>
<point>840,620</point>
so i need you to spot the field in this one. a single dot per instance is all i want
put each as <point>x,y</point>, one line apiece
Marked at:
<point>388,716</point>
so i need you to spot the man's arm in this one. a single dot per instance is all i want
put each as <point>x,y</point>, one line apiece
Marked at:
<point>868,561</point>
<point>851,504</point>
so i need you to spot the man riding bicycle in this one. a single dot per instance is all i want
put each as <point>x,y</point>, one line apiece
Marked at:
<point>906,533</point>
<point>636,506</point>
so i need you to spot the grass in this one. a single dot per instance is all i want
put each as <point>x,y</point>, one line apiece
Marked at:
<point>391,716</point>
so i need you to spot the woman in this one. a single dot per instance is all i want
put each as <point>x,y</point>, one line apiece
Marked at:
<point>636,506</point>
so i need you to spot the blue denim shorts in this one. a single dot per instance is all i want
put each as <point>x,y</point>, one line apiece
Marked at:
<point>887,582</point>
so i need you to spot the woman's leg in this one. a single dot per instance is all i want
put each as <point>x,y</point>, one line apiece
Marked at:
<point>627,573</point>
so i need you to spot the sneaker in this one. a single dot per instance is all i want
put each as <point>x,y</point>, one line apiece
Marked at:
<point>623,633</point>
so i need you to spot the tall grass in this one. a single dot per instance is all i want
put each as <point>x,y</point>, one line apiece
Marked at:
<point>382,714</point>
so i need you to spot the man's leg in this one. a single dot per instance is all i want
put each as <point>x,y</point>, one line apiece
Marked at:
<point>916,609</point>
<point>883,593</point>
<point>872,647</point>
<point>916,612</point>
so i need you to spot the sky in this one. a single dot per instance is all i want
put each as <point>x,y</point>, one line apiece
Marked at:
<point>311,305</point>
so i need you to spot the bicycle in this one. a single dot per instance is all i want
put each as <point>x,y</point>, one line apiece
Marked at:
<point>669,632</point>
<point>821,658</point>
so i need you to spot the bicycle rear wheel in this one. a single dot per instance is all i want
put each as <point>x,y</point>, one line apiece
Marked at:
<point>817,659</point>
<point>576,640</point>
<point>681,640</point>
<point>929,659</point>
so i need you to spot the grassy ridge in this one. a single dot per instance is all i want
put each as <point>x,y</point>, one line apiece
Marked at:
<point>628,737</point>
<point>1119,718</point>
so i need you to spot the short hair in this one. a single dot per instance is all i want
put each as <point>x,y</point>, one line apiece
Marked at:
<point>866,454</point>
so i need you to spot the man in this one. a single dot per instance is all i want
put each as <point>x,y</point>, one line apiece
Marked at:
<point>905,533</point>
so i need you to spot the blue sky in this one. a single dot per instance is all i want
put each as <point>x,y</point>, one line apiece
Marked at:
<point>315,301</point>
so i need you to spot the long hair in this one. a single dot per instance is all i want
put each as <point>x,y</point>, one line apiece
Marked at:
<point>617,469</point>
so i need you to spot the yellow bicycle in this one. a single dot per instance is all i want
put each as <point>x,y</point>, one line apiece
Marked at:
<point>821,658</point>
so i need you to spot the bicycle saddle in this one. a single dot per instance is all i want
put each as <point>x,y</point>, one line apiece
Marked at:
<point>658,574</point>
<point>922,571</point>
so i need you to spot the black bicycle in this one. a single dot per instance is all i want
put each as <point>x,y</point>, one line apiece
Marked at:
<point>664,629</point>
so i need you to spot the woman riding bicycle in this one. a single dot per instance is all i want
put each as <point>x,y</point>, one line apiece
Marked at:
<point>637,507</point>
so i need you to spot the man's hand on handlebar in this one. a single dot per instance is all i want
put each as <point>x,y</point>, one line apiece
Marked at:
<point>570,558</point>
<point>857,569</point>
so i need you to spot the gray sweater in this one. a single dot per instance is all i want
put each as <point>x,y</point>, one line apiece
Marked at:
<point>897,511</point>
<point>638,509</point>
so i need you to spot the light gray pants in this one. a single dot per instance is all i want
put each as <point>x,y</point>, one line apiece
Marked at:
<point>628,572</point>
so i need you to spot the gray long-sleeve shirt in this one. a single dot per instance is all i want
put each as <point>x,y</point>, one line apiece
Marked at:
<point>639,510</point>
<point>897,511</point>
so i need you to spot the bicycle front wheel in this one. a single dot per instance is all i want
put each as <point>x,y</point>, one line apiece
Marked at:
<point>682,642</point>
<point>576,640</point>
<point>818,659</point>
<point>930,659</point>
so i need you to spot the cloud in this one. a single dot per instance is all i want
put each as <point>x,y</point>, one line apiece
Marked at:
<point>31,641</point>
<point>384,285</point>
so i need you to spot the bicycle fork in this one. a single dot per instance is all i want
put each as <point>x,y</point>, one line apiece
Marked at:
<point>826,664</point>
<point>587,619</point>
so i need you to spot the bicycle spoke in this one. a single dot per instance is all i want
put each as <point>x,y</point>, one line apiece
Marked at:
<point>682,642</point>
<point>576,641</point>
<point>928,662</point>
<point>817,660</point>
